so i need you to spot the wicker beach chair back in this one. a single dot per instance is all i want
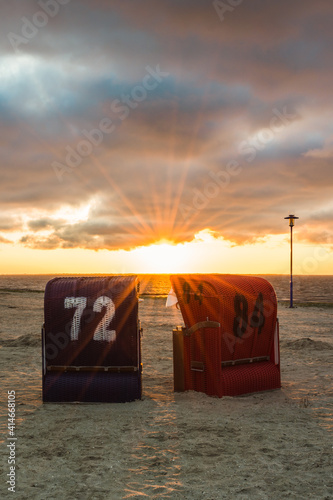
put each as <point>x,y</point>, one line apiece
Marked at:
<point>238,354</point>
<point>91,340</point>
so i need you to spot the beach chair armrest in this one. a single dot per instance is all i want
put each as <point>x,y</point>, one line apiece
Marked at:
<point>200,325</point>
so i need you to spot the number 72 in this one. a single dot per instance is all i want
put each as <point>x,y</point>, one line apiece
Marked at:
<point>101,331</point>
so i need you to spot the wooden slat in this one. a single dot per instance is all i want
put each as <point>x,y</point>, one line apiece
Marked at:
<point>111,369</point>
<point>244,361</point>
<point>178,360</point>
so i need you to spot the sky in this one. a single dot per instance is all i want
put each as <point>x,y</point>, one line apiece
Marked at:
<point>169,136</point>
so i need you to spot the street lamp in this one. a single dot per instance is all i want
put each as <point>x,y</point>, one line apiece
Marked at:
<point>291,224</point>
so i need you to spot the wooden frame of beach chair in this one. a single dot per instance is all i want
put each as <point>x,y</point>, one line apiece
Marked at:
<point>230,344</point>
<point>91,340</point>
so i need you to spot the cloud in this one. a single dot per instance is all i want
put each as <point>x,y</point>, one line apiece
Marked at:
<point>326,152</point>
<point>153,176</point>
<point>4,240</point>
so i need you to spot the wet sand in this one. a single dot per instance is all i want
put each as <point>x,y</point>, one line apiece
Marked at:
<point>272,445</point>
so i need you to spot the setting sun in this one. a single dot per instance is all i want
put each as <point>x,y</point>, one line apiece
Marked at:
<point>161,258</point>
<point>206,253</point>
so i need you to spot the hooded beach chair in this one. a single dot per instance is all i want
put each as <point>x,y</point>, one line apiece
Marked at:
<point>230,343</point>
<point>91,348</point>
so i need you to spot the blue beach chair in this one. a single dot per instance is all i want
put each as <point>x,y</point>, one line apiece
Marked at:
<point>91,340</point>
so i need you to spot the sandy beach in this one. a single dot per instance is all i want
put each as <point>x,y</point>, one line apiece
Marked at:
<point>273,445</point>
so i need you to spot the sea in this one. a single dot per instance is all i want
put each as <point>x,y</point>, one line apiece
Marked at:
<point>306,289</point>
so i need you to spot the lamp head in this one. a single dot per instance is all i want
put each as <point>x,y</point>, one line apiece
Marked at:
<point>291,220</point>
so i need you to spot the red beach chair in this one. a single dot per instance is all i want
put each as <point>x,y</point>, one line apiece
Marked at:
<point>91,345</point>
<point>230,344</point>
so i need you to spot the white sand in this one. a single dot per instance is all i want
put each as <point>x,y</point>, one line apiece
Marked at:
<point>272,445</point>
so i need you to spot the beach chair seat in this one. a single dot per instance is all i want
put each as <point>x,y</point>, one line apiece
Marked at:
<point>230,343</point>
<point>91,345</point>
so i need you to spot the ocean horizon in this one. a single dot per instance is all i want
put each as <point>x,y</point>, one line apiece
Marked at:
<point>307,289</point>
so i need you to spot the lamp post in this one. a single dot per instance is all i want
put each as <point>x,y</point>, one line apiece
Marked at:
<point>291,224</point>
